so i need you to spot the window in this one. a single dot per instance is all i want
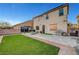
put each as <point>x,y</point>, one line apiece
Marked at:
<point>37,27</point>
<point>61,12</point>
<point>53,27</point>
<point>47,17</point>
<point>68,24</point>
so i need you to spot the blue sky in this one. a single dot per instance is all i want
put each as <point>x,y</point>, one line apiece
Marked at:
<point>17,13</point>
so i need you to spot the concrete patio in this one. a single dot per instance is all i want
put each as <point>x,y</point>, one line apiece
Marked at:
<point>1,38</point>
<point>65,43</point>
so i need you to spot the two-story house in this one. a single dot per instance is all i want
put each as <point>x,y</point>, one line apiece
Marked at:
<point>53,20</point>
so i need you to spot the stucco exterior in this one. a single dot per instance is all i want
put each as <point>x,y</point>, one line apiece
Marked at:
<point>54,21</point>
<point>27,23</point>
<point>77,19</point>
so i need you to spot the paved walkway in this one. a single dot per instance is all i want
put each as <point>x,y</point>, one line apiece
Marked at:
<point>1,38</point>
<point>66,44</point>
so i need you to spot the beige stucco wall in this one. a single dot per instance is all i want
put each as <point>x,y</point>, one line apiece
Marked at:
<point>54,18</point>
<point>18,26</point>
<point>78,19</point>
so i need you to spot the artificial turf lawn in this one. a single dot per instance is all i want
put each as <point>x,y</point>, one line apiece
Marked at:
<point>21,45</point>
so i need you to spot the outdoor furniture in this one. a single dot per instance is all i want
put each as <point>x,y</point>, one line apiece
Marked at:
<point>74,33</point>
<point>33,32</point>
<point>64,34</point>
<point>59,32</point>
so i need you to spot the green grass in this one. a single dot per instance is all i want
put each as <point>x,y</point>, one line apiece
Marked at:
<point>21,45</point>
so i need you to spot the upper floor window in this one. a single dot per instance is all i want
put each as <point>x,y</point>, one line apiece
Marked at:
<point>61,12</point>
<point>47,17</point>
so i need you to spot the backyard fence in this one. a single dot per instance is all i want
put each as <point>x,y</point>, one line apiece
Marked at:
<point>8,31</point>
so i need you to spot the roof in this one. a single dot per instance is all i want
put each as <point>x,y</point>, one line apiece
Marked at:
<point>23,23</point>
<point>59,7</point>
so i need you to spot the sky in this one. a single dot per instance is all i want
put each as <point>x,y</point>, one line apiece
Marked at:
<point>15,13</point>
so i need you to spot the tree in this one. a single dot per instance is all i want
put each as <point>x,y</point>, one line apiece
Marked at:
<point>5,25</point>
